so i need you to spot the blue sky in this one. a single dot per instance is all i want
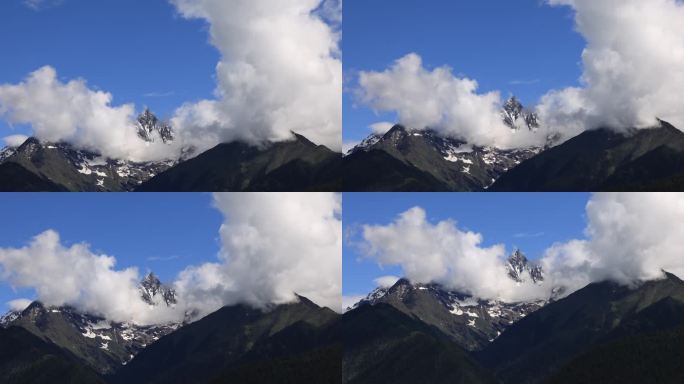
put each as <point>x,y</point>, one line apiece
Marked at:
<point>521,47</point>
<point>140,51</point>
<point>162,232</point>
<point>529,221</point>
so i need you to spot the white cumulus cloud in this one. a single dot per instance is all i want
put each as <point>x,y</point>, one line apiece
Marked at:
<point>75,275</point>
<point>442,101</point>
<point>274,246</point>
<point>633,66</point>
<point>280,71</point>
<point>442,253</point>
<point>629,238</point>
<point>77,114</point>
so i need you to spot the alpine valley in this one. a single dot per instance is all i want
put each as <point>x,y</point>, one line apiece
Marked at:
<point>603,333</point>
<point>297,164</point>
<point>236,344</point>
<point>602,159</point>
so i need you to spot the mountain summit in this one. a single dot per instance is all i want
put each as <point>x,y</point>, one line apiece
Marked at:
<point>519,268</point>
<point>405,159</point>
<point>151,290</point>
<point>59,167</point>
<point>516,116</point>
<point>104,345</point>
<point>150,128</point>
<point>649,159</point>
<point>472,322</point>
<point>537,346</point>
<point>294,165</point>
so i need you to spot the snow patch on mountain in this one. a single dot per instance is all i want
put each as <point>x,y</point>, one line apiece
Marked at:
<point>485,317</point>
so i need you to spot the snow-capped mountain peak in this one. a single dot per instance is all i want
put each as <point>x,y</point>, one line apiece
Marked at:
<point>103,343</point>
<point>153,292</point>
<point>149,127</point>
<point>79,169</point>
<point>516,116</point>
<point>471,321</point>
<point>519,268</point>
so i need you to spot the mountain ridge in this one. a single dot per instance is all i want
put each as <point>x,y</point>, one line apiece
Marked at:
<point>295,165</point>
<point>101,344</point>
<point>649,159</point>
<point>536,347</point>
<point>405,159</point>
<point>471,322</point>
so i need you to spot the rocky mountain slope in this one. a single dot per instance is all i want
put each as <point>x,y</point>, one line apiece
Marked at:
<point>43,166</point>
<point>234,340</point>
<point>516,116</point>
<point>537,347</point>
<point>385,345</point>
<point>604,160</point>
<point>103,345</point>
<point>473,323</point>
<point>405,159</point>
<point>296,165</point>
<point>25,358</point>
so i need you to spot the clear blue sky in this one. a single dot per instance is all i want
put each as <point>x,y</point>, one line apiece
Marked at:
<point>496,42</point>
<point>162,232</point>
<point>529,221</point>
<point>141,51</point>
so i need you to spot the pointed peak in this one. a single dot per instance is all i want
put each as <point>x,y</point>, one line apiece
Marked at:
<point>151,286</point>
<point>31,141</point>
<point>514,115</point>
<point>302,139</point>
<point>513,104</point>
<point>149,124</point>
<point>33,307</point>
<point>672,277</point>
<point>403,282</point>
<point>397,128</point>
<point>305,301</point>
<point>518,256</point>
<point>151,277</point>
<point>513,100</point>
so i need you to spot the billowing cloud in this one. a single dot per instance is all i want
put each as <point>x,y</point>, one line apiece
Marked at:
<point>633,66</point>
<point>443,253</point>
<point>631,237</point>
<point>77,114</point>
<point>273,247</point>
<point>439,100</point>
<point>280,71</point>
<point>76,276</point>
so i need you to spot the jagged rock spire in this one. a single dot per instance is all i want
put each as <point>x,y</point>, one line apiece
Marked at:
<point>149,124</point>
